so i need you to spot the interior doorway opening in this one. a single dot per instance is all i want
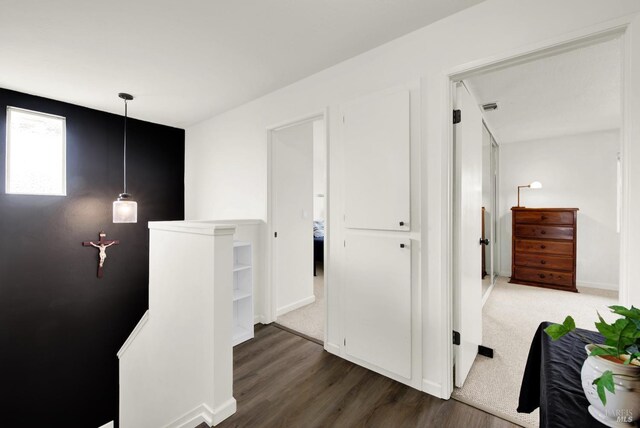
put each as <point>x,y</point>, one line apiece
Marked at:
<point>555,136</point>
<point>298,218</point>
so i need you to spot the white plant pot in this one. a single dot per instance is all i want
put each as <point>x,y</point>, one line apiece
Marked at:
<point>623,407</point>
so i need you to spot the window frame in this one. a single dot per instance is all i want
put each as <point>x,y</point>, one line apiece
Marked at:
<point>11,109</point>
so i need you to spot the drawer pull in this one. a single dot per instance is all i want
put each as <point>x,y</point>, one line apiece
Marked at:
<point>543,246</point>
<point>543,262</point>
<point>544,217</point>
<point>542,276</point>
<point>543,232</point>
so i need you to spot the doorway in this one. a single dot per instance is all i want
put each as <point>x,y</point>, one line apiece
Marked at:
<point>298,214</point>
<point>569,149</point>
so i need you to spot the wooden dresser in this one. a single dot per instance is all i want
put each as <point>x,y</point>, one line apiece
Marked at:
<point>543,247</point>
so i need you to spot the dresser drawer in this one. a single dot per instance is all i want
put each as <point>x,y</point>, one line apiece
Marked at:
<point>543,261</point>
<point>544,247</point>
<point>547,232</point>
<point>544,217</point>
<point>543,276</point>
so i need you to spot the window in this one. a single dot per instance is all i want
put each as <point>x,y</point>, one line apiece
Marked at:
<point>36,153</point>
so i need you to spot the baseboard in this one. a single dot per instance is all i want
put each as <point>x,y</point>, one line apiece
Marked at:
<point>505,274</point>
<point>203,414</point>
<point>193,418</point>
<point>295,305</point>
<point>332,349</point>
<point>107,425</point>
<point>432,388</point>
<point>600,285</point>
<point>137,329</point>
<point>259,319</point>
<point>224,410</point>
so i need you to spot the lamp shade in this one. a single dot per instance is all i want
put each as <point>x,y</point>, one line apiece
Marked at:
<point>535,185</point>
<point>125,211</point>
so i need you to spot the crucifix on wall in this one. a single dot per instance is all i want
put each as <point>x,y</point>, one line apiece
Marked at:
<point>102,244</point>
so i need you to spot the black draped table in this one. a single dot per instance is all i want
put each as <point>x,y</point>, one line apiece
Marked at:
<point>552,382</point>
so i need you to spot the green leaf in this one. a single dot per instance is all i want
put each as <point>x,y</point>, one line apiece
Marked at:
<point>603,351</point>
<point>633,313</point>
<point>556,331</point>
<point>604,382</point>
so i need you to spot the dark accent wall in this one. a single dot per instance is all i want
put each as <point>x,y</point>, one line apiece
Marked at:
<point>61,326</point>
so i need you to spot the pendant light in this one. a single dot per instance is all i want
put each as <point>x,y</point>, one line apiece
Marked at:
<point>125,209</point>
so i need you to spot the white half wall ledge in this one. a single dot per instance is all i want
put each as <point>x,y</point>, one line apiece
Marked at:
<point>197,227</point>
<point>296,305</point>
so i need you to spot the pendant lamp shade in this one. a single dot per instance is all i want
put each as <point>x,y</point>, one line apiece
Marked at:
<point>125,209</point>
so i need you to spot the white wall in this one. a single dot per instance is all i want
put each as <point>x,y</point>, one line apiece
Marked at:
<point>292,171</point>
<point>226,156</point>
<point>319,170</point>
<point>576,171</point>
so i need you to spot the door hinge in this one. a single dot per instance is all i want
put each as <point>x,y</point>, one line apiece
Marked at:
<point>345,243</point>
<point>456,337</point>
<point>275,234</point>
<point>345,341</point>
<point>343,118</point>
<point>457,116</point>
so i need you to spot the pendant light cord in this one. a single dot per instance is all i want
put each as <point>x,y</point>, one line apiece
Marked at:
<point>125,147</point>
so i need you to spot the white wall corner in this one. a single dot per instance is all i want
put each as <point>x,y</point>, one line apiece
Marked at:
<point>107,425</point>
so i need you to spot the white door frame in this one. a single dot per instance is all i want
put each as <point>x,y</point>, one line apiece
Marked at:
<point>615,28</point>
<point>270,296</point>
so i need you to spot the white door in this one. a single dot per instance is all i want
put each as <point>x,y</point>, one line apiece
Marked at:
<point>377,162</point>
<point>467,278</point>
<point>292,210</point>
<point>378,301</point>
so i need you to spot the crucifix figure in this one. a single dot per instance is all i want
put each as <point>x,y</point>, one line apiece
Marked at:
<point>101,245</point>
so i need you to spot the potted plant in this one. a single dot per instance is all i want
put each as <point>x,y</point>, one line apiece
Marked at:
<point>611,372</point>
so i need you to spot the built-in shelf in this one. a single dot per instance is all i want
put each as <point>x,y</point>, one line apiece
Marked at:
<point>242,292</point>
<point>240,267</point>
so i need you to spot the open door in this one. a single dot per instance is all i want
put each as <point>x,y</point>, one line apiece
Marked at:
<point>467,266</point>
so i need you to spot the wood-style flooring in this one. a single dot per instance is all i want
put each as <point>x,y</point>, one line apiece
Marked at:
<point>284,380</point>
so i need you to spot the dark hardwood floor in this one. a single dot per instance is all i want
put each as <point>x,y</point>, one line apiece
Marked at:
<point>283,380</point>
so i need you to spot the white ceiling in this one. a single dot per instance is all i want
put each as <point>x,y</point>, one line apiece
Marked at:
<point>570,93</point>
<point>188,60</point>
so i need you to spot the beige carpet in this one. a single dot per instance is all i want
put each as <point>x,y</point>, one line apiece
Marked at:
<point>309,319</point>
<point>511,316</point>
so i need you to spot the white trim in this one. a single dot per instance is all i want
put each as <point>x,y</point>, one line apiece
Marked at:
<point>486,295</point>
<point>431,387</point>
<point>202,413</point>
<point>108,425</point>
<point>599,285</point>
<point>332,348</point>
<point>295,305</point>
<point>134,333</point>
<point>200,227</point>
<point>585,36</point>
<point>224,410</point>
<point>270,297</point>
